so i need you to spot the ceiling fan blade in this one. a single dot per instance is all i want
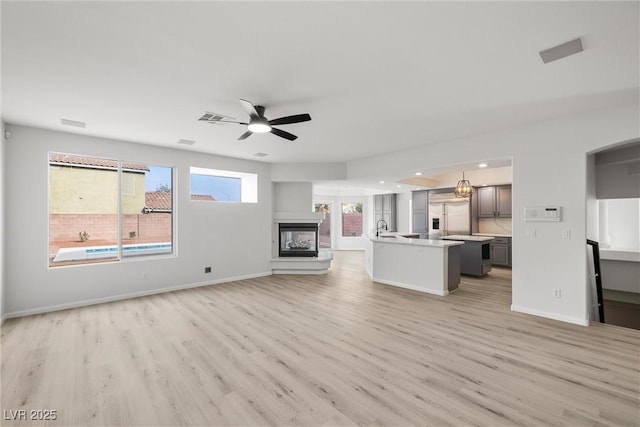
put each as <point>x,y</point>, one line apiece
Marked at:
<point>249,108</point>
<point>224,122</point>
<point>298,118</point>
<point>283,134</point>
<point>245,135</point>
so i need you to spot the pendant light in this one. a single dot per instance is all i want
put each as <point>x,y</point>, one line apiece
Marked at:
<point>464,188</point>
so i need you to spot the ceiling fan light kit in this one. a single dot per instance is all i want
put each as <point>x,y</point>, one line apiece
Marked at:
<point>259,126</point>
<point>258,123</point>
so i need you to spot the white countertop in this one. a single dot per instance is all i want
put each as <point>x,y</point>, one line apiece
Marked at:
<point>492,235</point>
<point>620,254</point>
<point>396,233</point>
<point>398,240</point>
<point>468,238</point>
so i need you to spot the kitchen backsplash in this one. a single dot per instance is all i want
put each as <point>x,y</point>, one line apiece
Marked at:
<point>494,225</point>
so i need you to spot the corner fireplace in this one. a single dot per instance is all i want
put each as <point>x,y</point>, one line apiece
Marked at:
<point>298,239</point>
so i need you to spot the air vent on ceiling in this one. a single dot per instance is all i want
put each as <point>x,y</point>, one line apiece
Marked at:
<point>186,142</point>
<point>74,123</point>
<point>261,154</point>
<point>562,50</point>
<point>214,118</point>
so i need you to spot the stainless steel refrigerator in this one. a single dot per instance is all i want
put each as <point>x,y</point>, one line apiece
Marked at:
<point>448,215</point>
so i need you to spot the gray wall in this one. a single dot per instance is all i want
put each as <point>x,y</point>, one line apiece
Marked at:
<point>207,234</point>
<point>618,172</point>
<point>620,275</point>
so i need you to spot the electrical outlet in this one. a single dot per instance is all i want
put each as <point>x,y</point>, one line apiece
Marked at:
<point>557,293</point>
<point>566,233</point>
<point>207,269</point>
<point>530,232</point>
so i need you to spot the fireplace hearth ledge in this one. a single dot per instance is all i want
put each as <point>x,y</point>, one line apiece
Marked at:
<point>283,216</point>
<point>303,265</point>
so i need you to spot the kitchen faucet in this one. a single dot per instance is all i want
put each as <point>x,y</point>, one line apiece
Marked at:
<point>384,226</point>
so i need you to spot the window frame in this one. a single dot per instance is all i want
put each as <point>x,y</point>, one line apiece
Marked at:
<point>248,184</point>
<point>342,213</point>
<point>120,215</point>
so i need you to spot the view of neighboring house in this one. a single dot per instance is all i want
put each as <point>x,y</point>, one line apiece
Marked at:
<point>203,197</point>
<point>84,205</point>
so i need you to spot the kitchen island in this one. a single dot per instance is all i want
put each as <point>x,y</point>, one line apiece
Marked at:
<point>431,266</point>
<point>475,254</point>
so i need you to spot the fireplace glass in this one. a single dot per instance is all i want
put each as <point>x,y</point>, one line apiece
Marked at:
<point>298,239</point>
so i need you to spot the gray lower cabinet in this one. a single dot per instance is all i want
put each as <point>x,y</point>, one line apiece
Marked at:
<point>384,208</point>
<point>475,258</point>
<point>501,251</point>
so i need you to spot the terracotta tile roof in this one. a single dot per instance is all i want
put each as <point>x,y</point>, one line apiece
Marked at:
<point>160,201</point>
<point>202,197</point>
<point>157,201</point>
<point>67,159</point>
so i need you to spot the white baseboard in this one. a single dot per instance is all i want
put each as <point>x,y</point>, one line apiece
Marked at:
<point>554,316</point>
<point>57,307</point>
<point>301,272</point>
<point>413,288</point>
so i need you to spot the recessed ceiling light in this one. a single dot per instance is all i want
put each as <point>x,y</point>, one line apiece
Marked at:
<point>484,185</point>
<point>483,165</point>
<point>381,182</point>
<point>74,123</point>
<point>418,173</point>
<point>261,154</point>
<point>399,186</point>
<point>186,142</point>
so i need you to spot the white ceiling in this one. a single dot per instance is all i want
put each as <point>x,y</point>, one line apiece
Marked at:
<point>376,77</point>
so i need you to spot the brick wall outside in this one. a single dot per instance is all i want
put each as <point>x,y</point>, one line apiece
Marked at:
<point>324,232</point>
<point>351,224</point>
<point>155,225</point>
<point>66,227</point>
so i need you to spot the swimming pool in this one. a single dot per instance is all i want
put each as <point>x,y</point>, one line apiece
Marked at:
<point>97,252</point>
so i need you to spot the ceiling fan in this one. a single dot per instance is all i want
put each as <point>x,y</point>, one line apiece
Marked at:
<point>258,123</point>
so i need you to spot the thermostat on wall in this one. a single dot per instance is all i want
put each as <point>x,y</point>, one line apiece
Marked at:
<point>545,213</point>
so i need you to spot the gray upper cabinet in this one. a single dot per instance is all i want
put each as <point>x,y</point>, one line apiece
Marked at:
<point>503,201</point>
<point>384,207</point>
<point>419,212</point>
<point>494,201</point>
<point>486,202</point>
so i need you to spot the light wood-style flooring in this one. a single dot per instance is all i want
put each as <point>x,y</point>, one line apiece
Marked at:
<point>319,350</point>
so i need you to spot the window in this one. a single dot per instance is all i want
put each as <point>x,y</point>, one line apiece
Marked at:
<point>104,209</point>
<point>216,185</point>
<point>351,219</point>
